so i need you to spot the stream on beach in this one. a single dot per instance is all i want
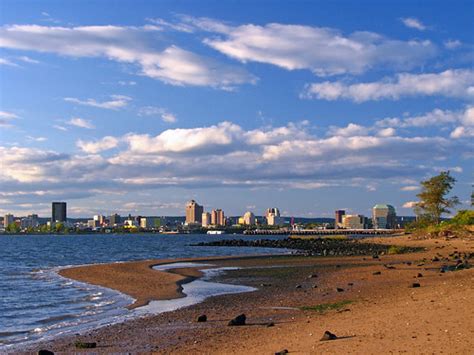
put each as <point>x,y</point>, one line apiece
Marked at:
<point>36,303</point>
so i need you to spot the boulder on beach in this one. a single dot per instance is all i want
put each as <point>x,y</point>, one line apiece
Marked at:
<point>239,320</point>
<point>202,318</point>
<point>45,352</point>
<point>328,336</point>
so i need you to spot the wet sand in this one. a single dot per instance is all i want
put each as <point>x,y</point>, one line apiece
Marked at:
<point>385,315</point>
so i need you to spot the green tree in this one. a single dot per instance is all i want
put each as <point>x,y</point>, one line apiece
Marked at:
<point>13,228</point>
<point>433,201</point>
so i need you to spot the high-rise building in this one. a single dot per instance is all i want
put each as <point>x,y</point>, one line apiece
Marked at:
<point>353,221</point>
<point>114,220</point>
<point>58,212</point>
<point>193,212</point>
<point>30,222</point>
<point>338,220</point>
<point>8,219</point>
<point>273,217</point>
<point>249,218</point>
<point>206,219</point>
<point>100,219</point>
<point>218,217</point>
<point>384,217</point>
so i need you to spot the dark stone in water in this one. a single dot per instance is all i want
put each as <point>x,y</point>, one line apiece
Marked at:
<point>312,276</point>
<point>202,318</point>
<point>45,352</point>
<point>328,336</point>
<point>338,289</point>
<point>85,345</point>
<point>239,320</point>
<point>298,286</point>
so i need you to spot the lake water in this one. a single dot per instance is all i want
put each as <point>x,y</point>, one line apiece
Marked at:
<point>36,303</point>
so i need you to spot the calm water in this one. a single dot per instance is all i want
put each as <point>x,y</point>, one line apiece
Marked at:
<point>36,303</point>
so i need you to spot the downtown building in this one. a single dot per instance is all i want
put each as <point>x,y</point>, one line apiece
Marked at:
<point>273,217</point>
<point>384,217</point>
<point>218,218</point>
<point>194,213</point>
<point>58,213</point>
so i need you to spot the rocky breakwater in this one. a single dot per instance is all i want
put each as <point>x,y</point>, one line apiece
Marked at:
<point>315,247</point>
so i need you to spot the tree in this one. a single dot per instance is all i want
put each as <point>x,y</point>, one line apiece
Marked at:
<point>433,201</point>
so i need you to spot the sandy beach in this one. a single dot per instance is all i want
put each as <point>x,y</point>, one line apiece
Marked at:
<point>369,303</point>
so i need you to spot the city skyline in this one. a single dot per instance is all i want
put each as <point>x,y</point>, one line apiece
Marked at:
<point>226,104</point>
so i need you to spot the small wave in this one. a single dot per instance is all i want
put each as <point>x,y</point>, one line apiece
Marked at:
<point>9,334</point>
<point>56,318</point>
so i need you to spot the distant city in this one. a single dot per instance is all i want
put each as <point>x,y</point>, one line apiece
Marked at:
<point>197,220</point>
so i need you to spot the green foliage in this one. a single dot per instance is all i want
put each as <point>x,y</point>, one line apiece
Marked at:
<point>463,218</point>
<point>395,249</point>
<point>324,307</point>
<point>13,228</point>
<point>433,201</point>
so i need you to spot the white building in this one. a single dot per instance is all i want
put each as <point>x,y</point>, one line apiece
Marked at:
<point>273,217</point>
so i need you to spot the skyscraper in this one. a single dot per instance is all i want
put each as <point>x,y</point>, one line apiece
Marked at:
<point>384,217</point>
<point>206,219</point>
<point>273,217</point>
<point>217,217</point>
<point>58,212</point>
<point>193,212</point>
<point>8,219</point>
<point>248,218</point>
<point>338,220</point>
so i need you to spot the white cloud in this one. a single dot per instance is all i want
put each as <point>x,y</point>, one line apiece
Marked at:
<point>462,132</point>
<point>457,83</point>
<point>413,22</point>
<point>163,113</point>
<point>80,122</point>
<point>105,143</point>
<point>5,61</point>
<point>127,83</point>
<point>116,102</point>
<point>8,115</point>
<point>29,60</point>
<point>59,128</point>
<point>324,51</point>
<point>410,204</point>
<point>133,45</point>
<point>452,43</point>
<point>410,188</point>
<point>37,139</point>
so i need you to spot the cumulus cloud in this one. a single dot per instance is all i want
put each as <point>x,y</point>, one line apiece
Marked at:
<point>452,43</point>
<point>105,143</point>
<point>116,102</point>
<point>81,123</point>
<point>409,204</point>
<point>324,51</point>
<point>6,119</point>
<point>457,83</point>
<point>163,113</point>
<point>413,22</point>
<point>133,45</point>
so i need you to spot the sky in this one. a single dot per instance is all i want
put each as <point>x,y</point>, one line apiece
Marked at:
<point>309,106</point>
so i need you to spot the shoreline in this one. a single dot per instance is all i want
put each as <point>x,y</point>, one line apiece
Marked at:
<point>284,287</point>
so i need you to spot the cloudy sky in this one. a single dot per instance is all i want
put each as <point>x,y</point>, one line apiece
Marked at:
<point>138,106</point>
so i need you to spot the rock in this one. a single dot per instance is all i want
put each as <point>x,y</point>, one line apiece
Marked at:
<point>435,259</point>
<point>415,285</point>
<point>408,263</point>
<point>419,275</point>
<point>85,345</point>
<point>315,286</point>
<point>282,352</point>
<point>239,320</point>
<point>350,284</point>
<point>298,286</point>
<point>328,336</point>
<point>338,289</point>
<point>45,352</point>
<point>376,273</point>
<point>312,276</point>
<point>389,266</point>
<point>202,318</point>
<point>270,324</point>
<point>375,256</point>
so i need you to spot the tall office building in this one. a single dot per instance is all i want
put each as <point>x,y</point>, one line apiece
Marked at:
<point>217,217</point>
<point>273,217</point>
<point>248,218</point>
<point>58,212</point>
<point>8,219</point>
<point>338,220</point>
<point>193,212</point>
<point>353,221</point>
<point>114,220</point>
<point>206,219</point>
<point>384,217</point>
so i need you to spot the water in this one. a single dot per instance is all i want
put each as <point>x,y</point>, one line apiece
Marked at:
<point>37,304</point>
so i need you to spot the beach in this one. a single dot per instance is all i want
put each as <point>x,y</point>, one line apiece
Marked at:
<point>369,303</point>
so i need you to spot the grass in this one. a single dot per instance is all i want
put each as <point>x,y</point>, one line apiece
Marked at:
<point>395,249</point>
<point>324,307</point>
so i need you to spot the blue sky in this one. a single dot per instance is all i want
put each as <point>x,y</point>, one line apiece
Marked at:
<point>139,106</point>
